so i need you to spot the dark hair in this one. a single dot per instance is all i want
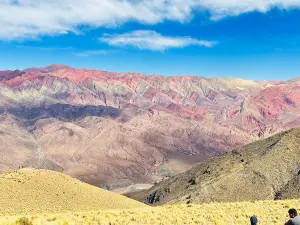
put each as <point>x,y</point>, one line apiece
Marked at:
<point>292,211</point>
<point>253,220</point>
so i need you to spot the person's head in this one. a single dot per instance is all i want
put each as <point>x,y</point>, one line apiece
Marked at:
<point>253,220</point>
<point>293,213</point>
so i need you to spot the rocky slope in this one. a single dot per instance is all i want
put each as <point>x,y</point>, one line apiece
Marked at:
<point>263,170</point>
<point>116,129</point>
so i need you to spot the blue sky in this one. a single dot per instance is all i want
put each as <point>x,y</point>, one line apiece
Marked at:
<point>249,39</point>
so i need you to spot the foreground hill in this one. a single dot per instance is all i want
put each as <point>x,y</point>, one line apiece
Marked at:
<point>117,129</point>
<point>265,169</point>
<point>204,214</point>
<point>30,191</point>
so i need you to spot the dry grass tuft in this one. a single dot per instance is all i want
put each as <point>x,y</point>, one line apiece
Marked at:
<point>23,221</point>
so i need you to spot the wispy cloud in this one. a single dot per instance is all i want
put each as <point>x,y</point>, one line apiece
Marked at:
<point>44,48</point>
<point>92,52</point>
<point>220,9</point>
<point>151,40</point>
<point>21,19</point>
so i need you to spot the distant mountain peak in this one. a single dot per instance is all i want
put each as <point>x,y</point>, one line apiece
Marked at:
<point>58,66</point>
<point>47,69</point>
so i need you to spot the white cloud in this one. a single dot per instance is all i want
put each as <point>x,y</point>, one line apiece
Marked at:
<point>146,39</point>
<point>223,8</point>
<point>33,18</point>
<point>43,48</point>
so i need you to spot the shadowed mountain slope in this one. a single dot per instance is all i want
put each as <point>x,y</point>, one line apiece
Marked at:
<point>258,171</point>
<point>8,74</point>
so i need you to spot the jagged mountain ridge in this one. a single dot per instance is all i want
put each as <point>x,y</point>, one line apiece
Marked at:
<point>263,170</point>
<point>123,128</point>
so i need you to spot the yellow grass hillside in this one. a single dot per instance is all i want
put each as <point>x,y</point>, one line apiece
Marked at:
<point>31,191</point>
<point>268,212</point>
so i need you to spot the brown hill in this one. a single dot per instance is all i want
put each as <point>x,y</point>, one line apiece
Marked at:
<point>263,170</point>
<point>31,191</point>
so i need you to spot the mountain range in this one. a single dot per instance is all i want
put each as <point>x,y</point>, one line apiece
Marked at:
<point>114,129</point>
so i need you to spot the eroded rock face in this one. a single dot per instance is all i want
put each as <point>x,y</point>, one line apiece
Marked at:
<point>121,128</point>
